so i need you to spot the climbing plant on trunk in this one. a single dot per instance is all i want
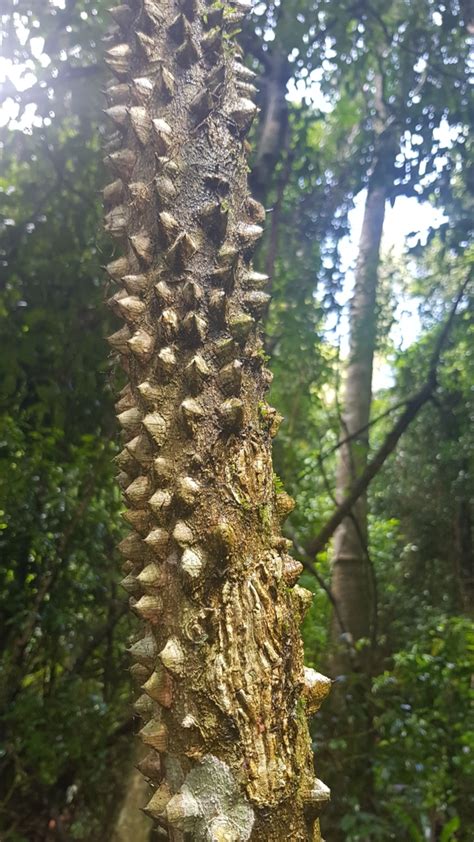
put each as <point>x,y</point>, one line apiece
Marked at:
<point>224,693</point>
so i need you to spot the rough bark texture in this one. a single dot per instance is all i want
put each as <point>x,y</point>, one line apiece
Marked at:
<point>224,694</point>
<point>350,573</point>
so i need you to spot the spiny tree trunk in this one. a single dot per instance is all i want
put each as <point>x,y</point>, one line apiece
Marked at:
<point>219,659</point>
<point>351,584</point>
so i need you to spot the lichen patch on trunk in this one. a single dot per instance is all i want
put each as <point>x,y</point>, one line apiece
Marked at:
<point>219,661</point>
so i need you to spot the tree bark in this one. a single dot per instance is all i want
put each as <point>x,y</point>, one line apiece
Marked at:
<point>274,124</point>
<point>352,582</point>
<point>219,659</point>
<point>350,575</point>
<point>352,579</point>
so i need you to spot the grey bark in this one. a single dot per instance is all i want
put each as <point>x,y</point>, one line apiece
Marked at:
<point>351,585</point>
<point>273,127</point>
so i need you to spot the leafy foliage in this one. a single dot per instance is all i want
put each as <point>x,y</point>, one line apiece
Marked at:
<point>65,688</point>
<point>64,716</point>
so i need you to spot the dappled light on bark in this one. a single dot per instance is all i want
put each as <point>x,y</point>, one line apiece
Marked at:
<point>220,661</point>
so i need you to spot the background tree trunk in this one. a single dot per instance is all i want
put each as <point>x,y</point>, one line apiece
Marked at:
<point>465,549</point>
<point>273,124</point>
<point>351,584</point>
<point>219,659</point>
<point>132,825</point>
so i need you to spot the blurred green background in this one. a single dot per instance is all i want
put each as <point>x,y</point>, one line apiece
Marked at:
<point>65,717</point>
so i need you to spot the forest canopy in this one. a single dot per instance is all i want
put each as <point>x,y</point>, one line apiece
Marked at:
<point>361,154</point>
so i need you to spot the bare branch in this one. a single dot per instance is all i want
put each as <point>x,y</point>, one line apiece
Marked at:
<point>413,406</point>
<point>310,568</point>
<point>363,429</point>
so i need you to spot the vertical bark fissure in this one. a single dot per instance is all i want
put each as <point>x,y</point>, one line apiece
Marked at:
<point>219,660</point>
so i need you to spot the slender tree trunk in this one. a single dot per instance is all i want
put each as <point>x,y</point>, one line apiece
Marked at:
<point>465,550</point>
<point>219,658</point>
<point>132,825</point>
<point>273,127</point>
<point>351,584</point>
<point>352,578</point>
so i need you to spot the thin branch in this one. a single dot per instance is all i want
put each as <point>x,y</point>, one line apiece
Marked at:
<point>98,636</point>
<point>404,47</point>
<point>363,429</point>
<point>310,568</point>
<point>412,408</point>
<point>373,579</point>
<point>21,229</point>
